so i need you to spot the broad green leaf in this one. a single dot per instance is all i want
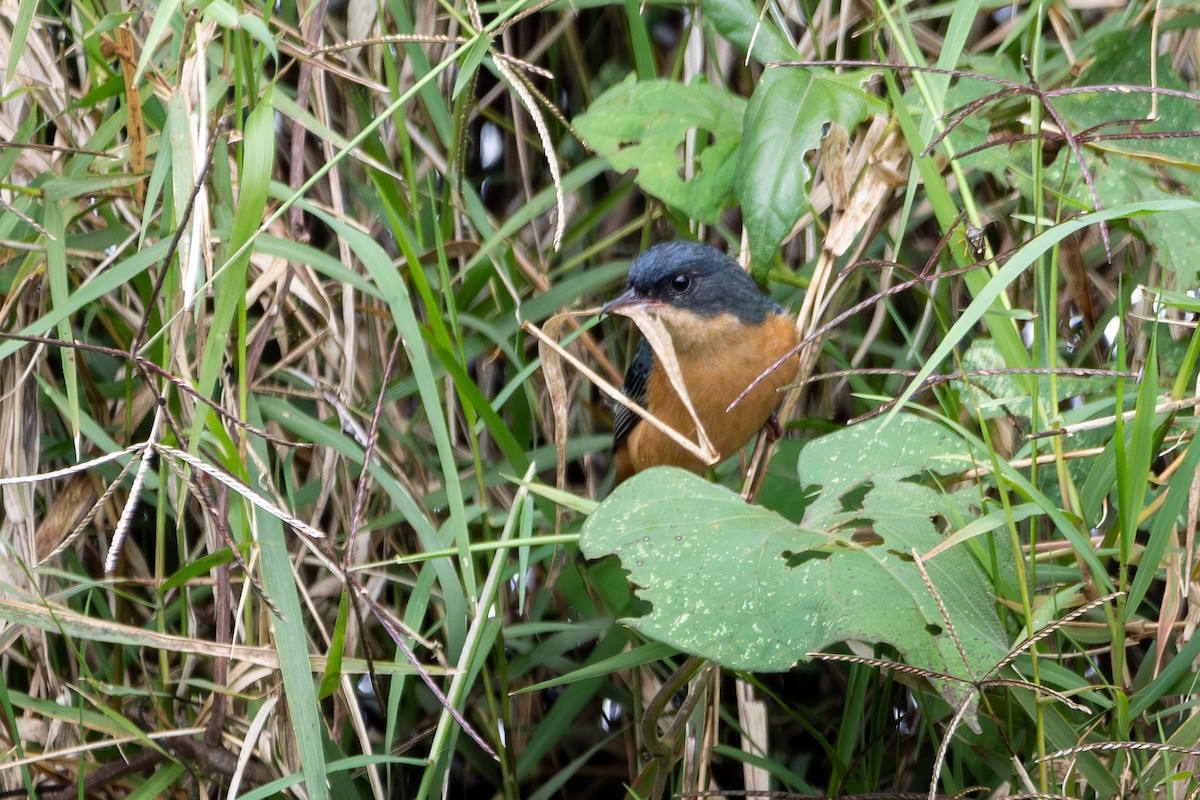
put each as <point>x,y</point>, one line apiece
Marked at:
<point>993,394</point>
<point>872,451</point>
<point>749,28</point>
<point>784,121</point>
<point>644,125</point>
<point>744,587</point>
<point>1122,62</point>
<point>878,477</point>
<point>1176,238</point>
<point>1140,167</point>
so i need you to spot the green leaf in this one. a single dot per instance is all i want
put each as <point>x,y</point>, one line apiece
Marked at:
<point>20,32</point>
<point>194,569</point>
<point>59,189</point>
<point>784,121</point>
<point>640,40</point>
<point>165,14</point>
<point>471,59</point>
<point>1165,522</point>
<point>290,640</point>
<point>644,125</point>
<point>337,648</point>
<point>1016,265</point>
<point>744,25</point>
<point>744,587</point>
<point>221,12</point>
<point>1140,167</point>
<point>258,30</point>
<point>59,278</point>
<point>993,393</point>
<point>635,656</point>
<point>258,157</point>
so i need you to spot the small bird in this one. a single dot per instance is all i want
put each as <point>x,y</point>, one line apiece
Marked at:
<point>726,333</point>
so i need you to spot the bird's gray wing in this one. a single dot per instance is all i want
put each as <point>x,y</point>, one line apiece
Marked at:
<point>636,379</point>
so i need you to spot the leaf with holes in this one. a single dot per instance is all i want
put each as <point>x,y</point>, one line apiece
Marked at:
<point>748,589</point>
<point>649,126</point>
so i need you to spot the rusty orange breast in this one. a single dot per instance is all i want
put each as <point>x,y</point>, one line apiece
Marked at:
<point>719,357</point>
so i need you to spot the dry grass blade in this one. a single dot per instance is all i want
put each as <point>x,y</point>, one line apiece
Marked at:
<point>942,610</point>
<point>707,455</point>
<point>253,732</point>
<point>399,636</point>
<point>82,466</point>
<point>135,493</point>
<point>215,394</point>
<point>518,85</point>
<point>1165,407</point>
<point>1051,628</point>
<point>242,490</point>
<point>61,619</point>
<point>556,385</point>
<point>72,753</point>
<point>756,734</point>
<point>1110,747</point>
<point>664,350</point>
<point>360,492</point>
<point>867,174</point>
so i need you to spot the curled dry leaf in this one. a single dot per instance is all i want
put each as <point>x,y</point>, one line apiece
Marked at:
<point>865,175</point>
<point>553,354</point>
<point>556,385</point>
<point>664,349</point>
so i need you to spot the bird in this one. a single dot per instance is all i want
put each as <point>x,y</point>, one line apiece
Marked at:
<point>726,333</point>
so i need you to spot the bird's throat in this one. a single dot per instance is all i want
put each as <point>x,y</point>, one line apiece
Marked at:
<point>695,336</point>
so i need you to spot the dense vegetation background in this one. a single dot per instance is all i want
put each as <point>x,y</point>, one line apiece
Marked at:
<point>310,519</point>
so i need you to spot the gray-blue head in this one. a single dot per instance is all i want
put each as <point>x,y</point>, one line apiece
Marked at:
<point>696,278</point>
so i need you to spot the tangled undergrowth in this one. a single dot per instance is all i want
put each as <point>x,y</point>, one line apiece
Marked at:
<point>291,507</point>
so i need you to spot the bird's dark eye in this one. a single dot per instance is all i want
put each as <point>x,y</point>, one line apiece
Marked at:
<point>680,284</point>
